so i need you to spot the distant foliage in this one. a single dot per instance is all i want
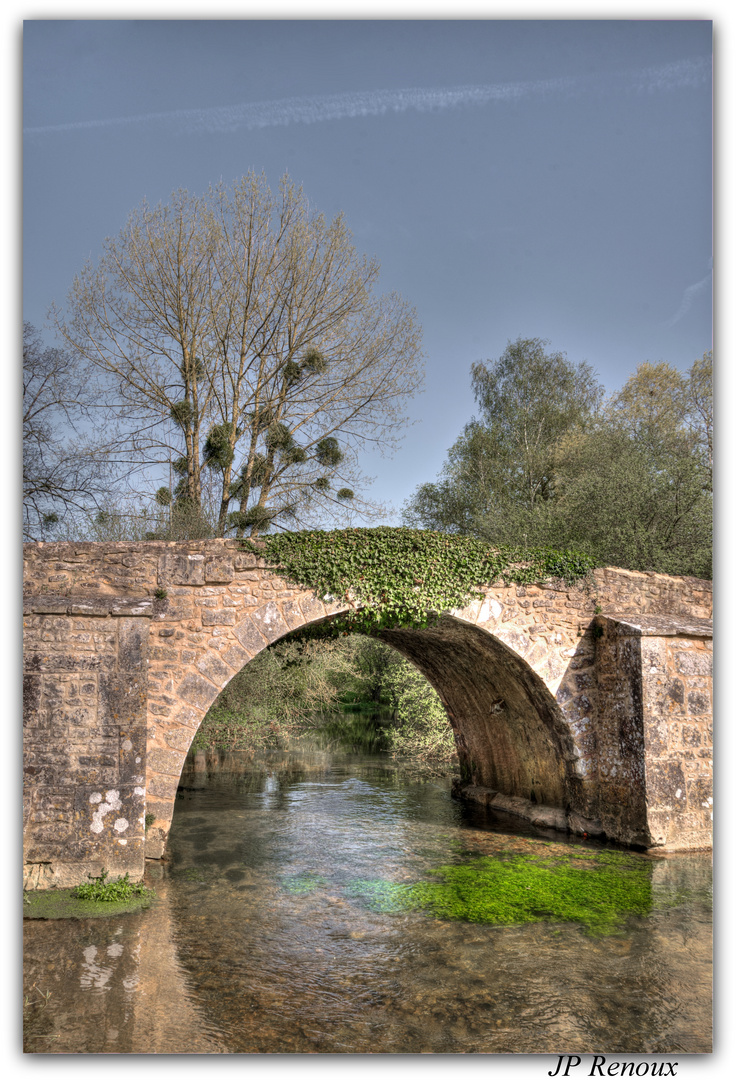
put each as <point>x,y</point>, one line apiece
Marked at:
<point>422,730</point>
<point>291,688</point>
<point>279,694</point>
<point>548,462</point>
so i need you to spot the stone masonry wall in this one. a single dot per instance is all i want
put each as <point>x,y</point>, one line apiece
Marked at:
<point>84,718</point>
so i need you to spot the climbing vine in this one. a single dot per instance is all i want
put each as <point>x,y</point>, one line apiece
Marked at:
<point>406,577</point>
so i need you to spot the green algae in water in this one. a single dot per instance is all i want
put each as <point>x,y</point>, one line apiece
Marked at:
<point>518,889</point>
<point>303,884</point>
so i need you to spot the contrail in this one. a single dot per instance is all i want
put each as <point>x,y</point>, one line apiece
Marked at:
<point>313,110</point>
<point>688,297</point>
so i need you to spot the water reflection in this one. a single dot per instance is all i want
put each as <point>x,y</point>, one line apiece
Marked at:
<point>259,942</point>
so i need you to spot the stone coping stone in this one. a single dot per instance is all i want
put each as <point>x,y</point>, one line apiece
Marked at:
<point>657,626</point>
<point>99,606</point>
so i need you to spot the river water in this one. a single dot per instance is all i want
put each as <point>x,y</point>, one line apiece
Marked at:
<point>332,902</point>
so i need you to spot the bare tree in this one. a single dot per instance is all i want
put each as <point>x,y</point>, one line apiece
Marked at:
<point>64,472</point>
<point>238,333</point>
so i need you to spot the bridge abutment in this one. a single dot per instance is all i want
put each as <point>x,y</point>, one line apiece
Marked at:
<point>85,710</point>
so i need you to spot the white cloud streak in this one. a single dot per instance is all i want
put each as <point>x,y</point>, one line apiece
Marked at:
<point>313,110</point>
<point>689,296</point>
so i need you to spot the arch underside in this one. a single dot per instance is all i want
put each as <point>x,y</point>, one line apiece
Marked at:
<point>509,731</point>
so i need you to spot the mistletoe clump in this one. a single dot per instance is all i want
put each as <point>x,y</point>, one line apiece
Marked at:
<point>407,577</point>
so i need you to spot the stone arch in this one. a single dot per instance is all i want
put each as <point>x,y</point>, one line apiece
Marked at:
<point>511,734</point>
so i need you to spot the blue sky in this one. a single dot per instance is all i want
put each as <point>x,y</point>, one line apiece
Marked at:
<point>583,217</point>
<point>513,178</point>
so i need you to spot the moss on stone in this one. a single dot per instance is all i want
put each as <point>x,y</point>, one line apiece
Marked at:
<point>62,904</point>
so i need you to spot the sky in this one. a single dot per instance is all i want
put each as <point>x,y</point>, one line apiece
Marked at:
<point>543,179</point>
<point>528,178</point>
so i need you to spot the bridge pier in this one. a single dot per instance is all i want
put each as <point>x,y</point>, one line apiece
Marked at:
<point>640,769</point>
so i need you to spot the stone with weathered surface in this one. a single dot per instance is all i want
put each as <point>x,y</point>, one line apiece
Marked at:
<point>594,724</point>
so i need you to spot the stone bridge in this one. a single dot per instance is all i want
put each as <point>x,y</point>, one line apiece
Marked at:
<point>584,708</point>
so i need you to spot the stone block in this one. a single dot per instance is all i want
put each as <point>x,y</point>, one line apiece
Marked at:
<point>102,813</point>
<point>179,739</point>
<point>81,717</point>
<point>311,608</point>
<point>197,691</point>
<point>691,735</point>
<point>219,571</point>
<point>700,793</point>
<point>212,666</point>
<point>176,569</point>
<point>244,561</point>
<point>674,696</point>
<point>132,753</point>
<point>168,762</point>
<point>218,617</point>
<point>250,636</point>
<point>188,717</point>
<point>666,786</point>
<point>694,663</point>
<point>292,614</point>
<point>143,607</point>
<point>236,657</point>
<point>122,698</point>
<point>94,607</point>
<point>132,644</point>
<point>163,787</point>
<point>698,703</point>
<point>270,622</point>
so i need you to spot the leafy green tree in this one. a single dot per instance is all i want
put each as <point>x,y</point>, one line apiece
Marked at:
<point>636,490</point>
<point>500,475</point>
<point>241,345</point>
<point>628,481</point>
<point>422,730</point>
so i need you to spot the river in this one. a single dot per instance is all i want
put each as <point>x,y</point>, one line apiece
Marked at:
<point>333,902</point>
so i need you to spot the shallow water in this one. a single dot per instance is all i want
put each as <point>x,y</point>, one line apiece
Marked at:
<point>282,926</point>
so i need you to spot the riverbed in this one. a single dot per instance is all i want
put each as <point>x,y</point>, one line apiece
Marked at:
<point>331,902</point>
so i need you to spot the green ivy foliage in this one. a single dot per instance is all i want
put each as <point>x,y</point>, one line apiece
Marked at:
<point>407,577</point>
